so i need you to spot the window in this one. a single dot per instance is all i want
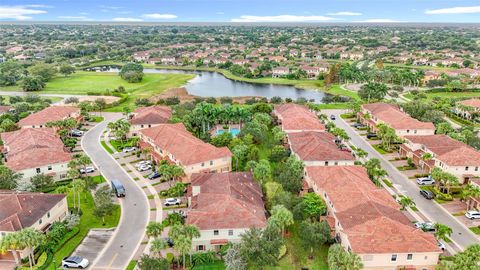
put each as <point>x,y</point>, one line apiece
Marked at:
<point>230,232</point>
<point>141,126</point>
<point>215,232</point>
<point>409,257</point>
<point>201,247</point>
<point>415,131</point>
<point>40,221</point>
<point>336,163</point>
<point>326,163</point>
<point>149,125</point>
<point>476,169</point>
<point>48,214</point>
<point>203,164</point>
<point>38,170</point>
<point>466,168</point>
<point>211,162</point>
<point>408,131</point>
<point>394,258</point>
<point>49,167</point>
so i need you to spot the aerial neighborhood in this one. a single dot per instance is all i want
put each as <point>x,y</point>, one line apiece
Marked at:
<point>158,146</point>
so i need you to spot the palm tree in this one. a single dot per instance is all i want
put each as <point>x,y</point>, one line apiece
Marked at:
<point>470,192</point>
<point>443,232</point>
<point>282,217</point>
<point>157,246</point>
<point>31,238</point>
<point>78,185</point>
<point>405,202</point>
<point>426,157</point>
<point>154,229</point>
<point>12,242</point>
<point>182,236</point>
<point>239,151</point>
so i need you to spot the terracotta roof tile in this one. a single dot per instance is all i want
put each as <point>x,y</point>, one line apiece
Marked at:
<point>49,114</point>
<point>474,102</point>
<point>297,117</point>
<point>151,115</point>
<point>226,201</point>
<point>22,210</point>
<point>317,146</point>
<point>394,117</point>
<point>185,147</point>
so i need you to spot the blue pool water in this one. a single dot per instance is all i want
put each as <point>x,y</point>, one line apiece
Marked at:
<point>234,131</point>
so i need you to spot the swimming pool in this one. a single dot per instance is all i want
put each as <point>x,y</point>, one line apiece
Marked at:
<point>233,131</point>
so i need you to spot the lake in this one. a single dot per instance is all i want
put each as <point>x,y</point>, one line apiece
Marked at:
<point>214,84</point>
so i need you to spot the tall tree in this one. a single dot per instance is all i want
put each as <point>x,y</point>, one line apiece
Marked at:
<point>339,259</point>
<point>281,217</point>
<point>314,206</point>
<point>8,178</point>
<point>314,235</point>
<point>103,202</point>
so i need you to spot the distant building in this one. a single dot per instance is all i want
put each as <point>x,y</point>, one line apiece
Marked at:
<point>279,72</point>
<point>147,117</point>
<point>467,108</point>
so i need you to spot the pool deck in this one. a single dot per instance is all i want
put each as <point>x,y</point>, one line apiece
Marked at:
<point>232,128</point>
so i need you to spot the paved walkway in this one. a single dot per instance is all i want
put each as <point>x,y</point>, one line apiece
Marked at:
<point>135,209</point>
<point>461,236</point>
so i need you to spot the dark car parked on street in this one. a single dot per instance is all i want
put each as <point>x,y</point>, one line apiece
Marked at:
<point>427,194</point>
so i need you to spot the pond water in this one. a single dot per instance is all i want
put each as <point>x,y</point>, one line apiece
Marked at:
<point>214,84</point>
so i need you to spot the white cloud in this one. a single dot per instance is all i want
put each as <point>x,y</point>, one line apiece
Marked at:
<point>124,12</point>
<point>129,19</point>
<point>345,13</point>
<point>79,18</point>
<point>19,12</point>
<point>282,18</point>
<point>454,10</point>
<point>379,21</point>
<point>159,16</point>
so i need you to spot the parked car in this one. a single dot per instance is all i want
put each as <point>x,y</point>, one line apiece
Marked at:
<point>76,133</point>
<point>129,149</point>
<point>118,188</point>
<point>144,168</point>
<point>332,117</point>
<point>358,125</point>
<point>441,245</point>
<point>427,194</point>
<point>371,135</point>
<point>143,163</point>
<point>473,214</point>
<point>154,175</point>
<point>75,262</point>
<point>426,226</point>
<point>172,201</point>
<point>423,181</point>
<point>89,169</point>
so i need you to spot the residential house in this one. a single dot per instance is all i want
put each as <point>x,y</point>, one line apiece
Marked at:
<point>141,56</point>
<point>313,72</point>
<point>450,155</point>
<point>168,60</point>
<point>297,118</point>
<point>35,151</point>
<point>28,210</point>
<point>174,143</point>
<point>279,72</point>
<point>154,60</point>
<point>50,114</point>
<point>466,108</point>
<point>368,221</point>
<point>374,114</point>
<point>318,149</point>
<point>147,117</point>
<point>431,75</point>
<point>223,206</point>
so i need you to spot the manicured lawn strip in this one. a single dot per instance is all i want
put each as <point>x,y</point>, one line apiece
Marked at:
<point>107,148</point>
<point>332,106</point>
<point>431,95</point>
<point>406,168</point>
<point>96,119</point>
<point>339,90</point>
<point>98,179</point>
<point>131,265</point>
<point>388,183</point>
<point>87,221</point>
<point>6,99</point>
<point>475,230</point>
<point>379,149</point>
<point>219,265</point>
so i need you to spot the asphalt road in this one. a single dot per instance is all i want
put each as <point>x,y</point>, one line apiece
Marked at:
<point>130,231</point>
<point>461,236</point>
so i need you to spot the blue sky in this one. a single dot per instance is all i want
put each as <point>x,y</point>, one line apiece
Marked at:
<point>242,10</point>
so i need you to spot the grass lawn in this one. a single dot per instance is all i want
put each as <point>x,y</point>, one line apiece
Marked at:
<point>332,106</point>
<point>213,266</point>
<point>431,95</point>
<point>87,221</point>
<point>380,149</point>
<point>406,168</point>
<point>98,179</point>
<point>297,256</point>
<point>96,118</point>
<point>339,90</point>
<point>6,99</point>
<point>131,265</point>
<point>107,148</point>
<point>476,230</point>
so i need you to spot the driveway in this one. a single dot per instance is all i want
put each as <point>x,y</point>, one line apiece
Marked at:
<point>461,236</point>
<point>93,244</point>
<point>127,237</point>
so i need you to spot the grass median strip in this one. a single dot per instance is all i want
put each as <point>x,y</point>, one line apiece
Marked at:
<point>106,147</point>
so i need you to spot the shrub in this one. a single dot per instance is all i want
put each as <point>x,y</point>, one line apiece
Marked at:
<point>203,258</point>
<point>176,191</point>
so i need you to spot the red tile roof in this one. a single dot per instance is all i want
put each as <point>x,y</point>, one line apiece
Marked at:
<point>4,109</point>
<point>186,148</point>
<point>30,148</point>
<point>49,114</point>
<point>151,115</point>
<point>297,117</point>
<point>317,146</point>
<point>369,215</point>
<point>448,150</point>
<point>474,102</point>
<point>22,210</point>
<point>394,117</point>
<point>226,201</point>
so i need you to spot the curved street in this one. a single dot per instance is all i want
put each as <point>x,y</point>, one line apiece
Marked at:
<point>134,217</point>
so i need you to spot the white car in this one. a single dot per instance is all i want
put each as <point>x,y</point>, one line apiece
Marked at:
<point>172,201</point>
<point>89,169</point>
<point>143,163</point>
<point>75,262</point>
<point>441,245</point>
<point>424,181</point>
<point>426,226</point>
<point>129,149</point>
<point>472,214</point>
<point>144,168</point>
